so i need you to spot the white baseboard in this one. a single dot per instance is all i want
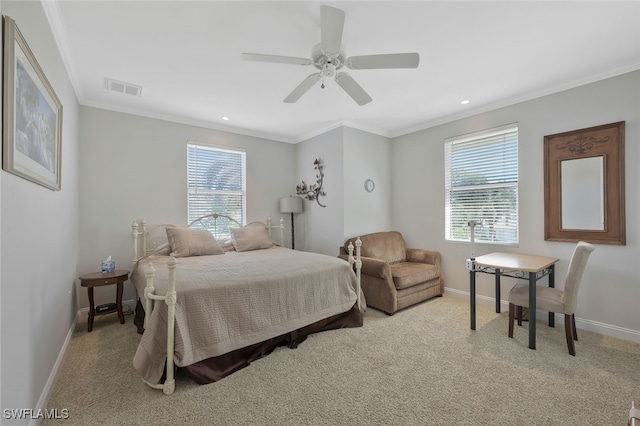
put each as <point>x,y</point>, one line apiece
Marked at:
<point>581,323</point>
<point>48,388</point>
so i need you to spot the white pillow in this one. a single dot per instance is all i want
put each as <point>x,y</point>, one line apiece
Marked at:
<point>250,238</point>
<point>226,244</point>
<point>187,242</point>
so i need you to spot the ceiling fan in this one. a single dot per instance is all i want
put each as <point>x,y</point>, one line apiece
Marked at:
<point>329,57</point>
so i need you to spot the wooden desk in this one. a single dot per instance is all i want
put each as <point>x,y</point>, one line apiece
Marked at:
<point>98,279</point>
<point>514,265</point>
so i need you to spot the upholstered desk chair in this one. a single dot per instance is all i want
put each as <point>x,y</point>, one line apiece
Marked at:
<point>552,299</point>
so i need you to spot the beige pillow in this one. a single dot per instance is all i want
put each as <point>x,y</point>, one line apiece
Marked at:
<point>187,242</point>
<point>250,238</point>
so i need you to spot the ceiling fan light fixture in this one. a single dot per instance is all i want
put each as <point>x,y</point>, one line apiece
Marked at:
<point>329,69</point>
<point>329,58</point>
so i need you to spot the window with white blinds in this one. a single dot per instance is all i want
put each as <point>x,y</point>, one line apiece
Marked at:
<point>481,183</point>
<point>216,180</point>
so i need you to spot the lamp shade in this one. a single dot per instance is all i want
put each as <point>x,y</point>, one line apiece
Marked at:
<point>290,205</point>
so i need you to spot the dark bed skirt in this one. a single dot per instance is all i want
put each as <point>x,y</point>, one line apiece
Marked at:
<point>216,368</point>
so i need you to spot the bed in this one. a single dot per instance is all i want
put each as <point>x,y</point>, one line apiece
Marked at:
<point>215,300</point>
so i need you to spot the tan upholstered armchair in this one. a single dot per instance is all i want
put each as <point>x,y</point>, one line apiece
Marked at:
<point>394,276</point>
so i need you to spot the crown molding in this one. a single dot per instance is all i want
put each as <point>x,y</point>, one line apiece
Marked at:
<point>518,99</point>
<point>56,23</point>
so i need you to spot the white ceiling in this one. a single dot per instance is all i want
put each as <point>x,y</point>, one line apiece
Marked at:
<point>187,57</point>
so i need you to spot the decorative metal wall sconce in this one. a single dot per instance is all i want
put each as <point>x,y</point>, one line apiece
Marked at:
<point>313,192</point>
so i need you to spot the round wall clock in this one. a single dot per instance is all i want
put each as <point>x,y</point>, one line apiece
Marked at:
<point>369,186</point>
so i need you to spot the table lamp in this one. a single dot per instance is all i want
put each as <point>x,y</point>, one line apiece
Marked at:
<point>291,205</point>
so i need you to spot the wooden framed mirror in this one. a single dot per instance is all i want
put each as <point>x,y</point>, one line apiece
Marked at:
<point>584,185</point>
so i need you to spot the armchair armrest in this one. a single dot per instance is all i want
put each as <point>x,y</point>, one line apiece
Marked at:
<point>423,256</point>
<point>376,267</point>
<point>370,266</point>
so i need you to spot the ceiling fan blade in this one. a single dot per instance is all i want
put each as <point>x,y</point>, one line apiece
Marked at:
<point>392,60</point>
<point>352,88</point>
<point>302,88</point>
<point>331,26</point>
<point>258,57</point>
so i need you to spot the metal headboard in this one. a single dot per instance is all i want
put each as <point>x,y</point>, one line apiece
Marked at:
<point>220,225</point>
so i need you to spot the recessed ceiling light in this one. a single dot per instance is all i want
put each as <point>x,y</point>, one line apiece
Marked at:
<point>225,118</point>
<point>466,101</point>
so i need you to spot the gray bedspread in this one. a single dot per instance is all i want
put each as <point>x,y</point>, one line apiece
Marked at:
<point>226,302</point>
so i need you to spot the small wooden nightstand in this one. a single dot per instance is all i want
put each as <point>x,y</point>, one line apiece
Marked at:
<point>98,279</point>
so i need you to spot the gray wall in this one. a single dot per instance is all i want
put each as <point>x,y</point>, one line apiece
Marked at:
<point>366,156</point>
<point>39,247</point>
<point>350,157</point>
<point>320,229</point>
<point>134,167</point>
<point>610,295</point>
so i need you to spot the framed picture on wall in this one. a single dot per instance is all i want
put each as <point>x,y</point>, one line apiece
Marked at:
<point>32,115</point>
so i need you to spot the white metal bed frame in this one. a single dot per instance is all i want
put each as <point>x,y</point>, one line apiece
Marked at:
<point>170,297</point>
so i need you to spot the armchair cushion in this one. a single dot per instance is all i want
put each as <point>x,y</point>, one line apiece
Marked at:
<point>407,274</point>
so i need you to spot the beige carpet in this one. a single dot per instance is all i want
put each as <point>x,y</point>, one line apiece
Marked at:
<point>422,366</point>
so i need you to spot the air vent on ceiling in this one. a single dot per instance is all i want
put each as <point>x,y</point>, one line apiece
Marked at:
<point>122,87</point>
